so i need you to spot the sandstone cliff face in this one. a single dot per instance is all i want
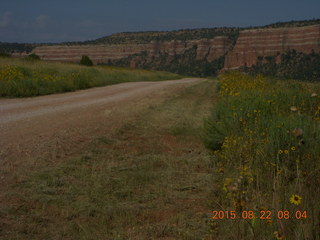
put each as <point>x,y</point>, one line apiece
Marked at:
<point>206,49</point>
<point>97,53</point>
<point>271,42</point>
<point>248,47</point>
<point>213,48</point>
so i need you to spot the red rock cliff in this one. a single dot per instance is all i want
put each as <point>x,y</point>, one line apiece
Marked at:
<point>206,49</point>
<point>249,45</point>
<point>270,42</point>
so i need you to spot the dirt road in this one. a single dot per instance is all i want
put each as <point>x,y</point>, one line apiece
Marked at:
<point>60,124</point>
<point>126,159</point>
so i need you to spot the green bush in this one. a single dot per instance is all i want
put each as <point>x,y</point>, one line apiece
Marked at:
<point>86,61</point>
<point>4,54</point>
<point>33,56</point>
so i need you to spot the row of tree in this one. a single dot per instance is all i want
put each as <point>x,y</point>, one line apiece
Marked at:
<point>9,48</point>
<point>147,37</point>
<point>185,64</point>
<point>293,65</point>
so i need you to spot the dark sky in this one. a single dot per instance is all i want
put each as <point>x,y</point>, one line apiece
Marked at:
<point>69,20</point>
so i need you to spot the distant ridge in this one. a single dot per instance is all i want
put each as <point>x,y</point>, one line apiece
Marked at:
<point>197,52</point>
<point>147,36</point>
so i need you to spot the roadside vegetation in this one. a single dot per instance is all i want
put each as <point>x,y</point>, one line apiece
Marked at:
<point>264,135</point>
<point>31,77</point>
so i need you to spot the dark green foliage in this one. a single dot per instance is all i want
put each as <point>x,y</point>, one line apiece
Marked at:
<point>33,57</point>
<point>294,23</point>
<point>294,65</point>
<point>185,63</point>
<point>147,37</point>
<point>214,134</point>
<point>15,47</point>
<point>85,60</point>
<point>4,54</point>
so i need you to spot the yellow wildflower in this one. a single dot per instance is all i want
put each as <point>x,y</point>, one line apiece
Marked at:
<point>295,199</point>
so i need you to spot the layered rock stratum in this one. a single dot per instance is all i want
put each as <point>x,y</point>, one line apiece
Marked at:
<point>271,42</point>
<point>245,51</point>
<point>208,49</point>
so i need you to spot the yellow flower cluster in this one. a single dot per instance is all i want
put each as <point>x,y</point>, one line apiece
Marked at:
<point>9,73</point>
<point>231,83</point>
<point>40,75</point>
<point>286,151</point>
<point>230,141</point>
<point>246,172</point>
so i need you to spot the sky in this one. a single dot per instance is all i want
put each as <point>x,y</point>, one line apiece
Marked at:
<point>55,21</point>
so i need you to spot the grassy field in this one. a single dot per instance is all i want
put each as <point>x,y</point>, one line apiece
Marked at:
<point>265,137</point>
<point>25,78</point>
<point>151,178</point>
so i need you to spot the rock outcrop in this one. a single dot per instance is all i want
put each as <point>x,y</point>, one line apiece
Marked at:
<point>271,42</point>
<point>244,51</point>
<point>206,49</point>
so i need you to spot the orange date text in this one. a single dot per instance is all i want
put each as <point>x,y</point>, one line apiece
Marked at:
<point>263,215</point>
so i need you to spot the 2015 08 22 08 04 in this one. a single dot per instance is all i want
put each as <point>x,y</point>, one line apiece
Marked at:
<point>263,214</point>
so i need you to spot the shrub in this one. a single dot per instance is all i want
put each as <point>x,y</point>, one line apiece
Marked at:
<point>293,65</point>
<point>4,54</point>
<point>33,56</point>
<point>85,60</point>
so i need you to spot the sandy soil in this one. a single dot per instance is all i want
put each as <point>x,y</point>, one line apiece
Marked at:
<point>54,126</point>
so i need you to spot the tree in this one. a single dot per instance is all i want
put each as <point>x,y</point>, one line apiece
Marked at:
<point>85,60</point>
<point>4,54</point>
<point>33,56</point>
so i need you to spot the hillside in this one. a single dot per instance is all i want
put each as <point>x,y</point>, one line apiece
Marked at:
<point>186,34</point>
<point>194,52</point>
<point>182,35</point>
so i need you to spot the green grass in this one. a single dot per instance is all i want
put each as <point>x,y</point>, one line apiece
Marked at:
<point>25,78</point>
<point>149,179</point>
<point>261,161</point>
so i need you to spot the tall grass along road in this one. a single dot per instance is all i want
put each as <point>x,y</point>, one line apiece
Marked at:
<point>26,78</point>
